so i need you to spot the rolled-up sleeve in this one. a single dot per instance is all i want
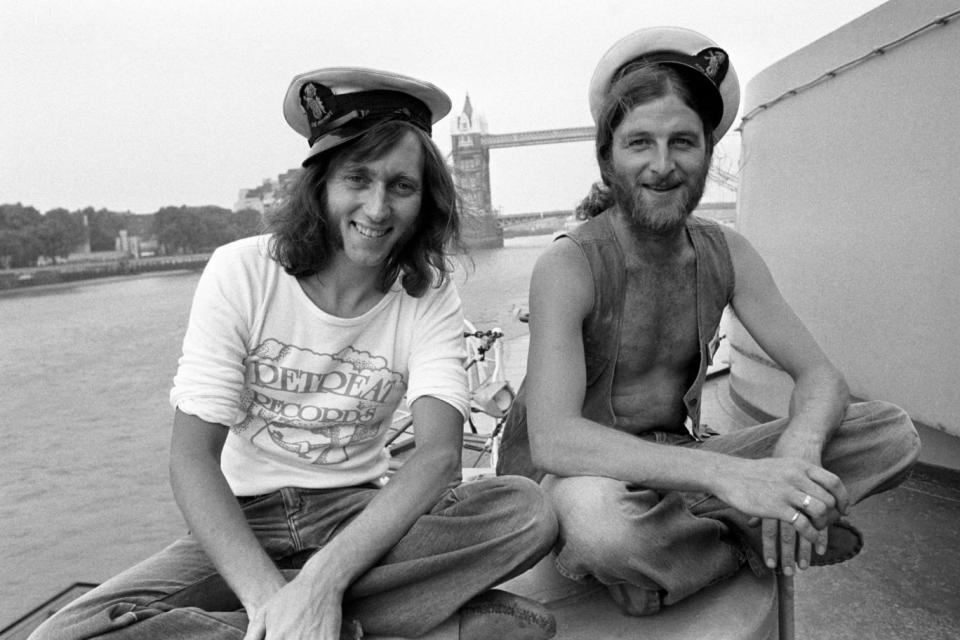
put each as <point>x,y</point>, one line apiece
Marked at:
<point>438,352</point>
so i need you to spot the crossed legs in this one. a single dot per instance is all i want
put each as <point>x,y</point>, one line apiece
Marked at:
<point>479,534</point>
<point>652,548</point>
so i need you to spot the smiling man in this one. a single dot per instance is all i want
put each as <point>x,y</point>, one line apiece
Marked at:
<point>624,315</point>
<point>301,345</point>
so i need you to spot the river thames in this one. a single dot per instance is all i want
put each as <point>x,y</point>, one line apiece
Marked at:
<point>86,421</point>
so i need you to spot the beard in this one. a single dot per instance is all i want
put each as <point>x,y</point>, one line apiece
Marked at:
<point>659,218</point>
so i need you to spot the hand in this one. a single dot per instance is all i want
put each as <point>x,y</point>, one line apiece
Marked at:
<point>301,610</point>
<point>780,538</point>
<point>796,498</point>
<point>810,518</point>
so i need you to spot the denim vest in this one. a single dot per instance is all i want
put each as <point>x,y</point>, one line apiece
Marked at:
<point>601,330</point>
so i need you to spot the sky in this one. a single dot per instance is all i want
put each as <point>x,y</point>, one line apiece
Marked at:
<point>132,105</point>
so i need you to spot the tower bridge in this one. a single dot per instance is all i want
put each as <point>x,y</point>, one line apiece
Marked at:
<point>471,146</point>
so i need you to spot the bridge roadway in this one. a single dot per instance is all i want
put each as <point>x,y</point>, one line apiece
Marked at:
<point>521,218</point>
<point>721,211</point>
<point>546,136</point>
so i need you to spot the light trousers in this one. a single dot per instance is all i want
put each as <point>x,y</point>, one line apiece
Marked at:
<point>651,547</point>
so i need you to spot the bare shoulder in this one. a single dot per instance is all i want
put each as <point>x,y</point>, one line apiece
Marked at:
<point>735,240</point>
<point>563,252</point>
<point>749,268</point>
<point>561,278</point>
<point>766,314</point>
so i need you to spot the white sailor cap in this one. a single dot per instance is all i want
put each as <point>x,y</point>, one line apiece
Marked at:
<point>332,106</point>
<point>679,47</point>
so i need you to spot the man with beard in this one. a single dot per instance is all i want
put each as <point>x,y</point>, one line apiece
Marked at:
<point>624,313</point>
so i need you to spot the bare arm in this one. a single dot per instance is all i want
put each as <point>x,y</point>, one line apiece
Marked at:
<point>820,394</point>
<point>817,404</point>
<point>310,606</point>
<point>411,492</point>
<point>213,514</point>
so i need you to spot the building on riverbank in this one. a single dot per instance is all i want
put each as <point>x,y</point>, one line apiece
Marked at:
<point>268,194</point>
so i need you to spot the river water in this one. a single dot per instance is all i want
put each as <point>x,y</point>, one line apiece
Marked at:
<point>85,422</point>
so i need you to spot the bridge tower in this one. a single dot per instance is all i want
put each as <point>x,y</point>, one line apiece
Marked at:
<point>471,170</point>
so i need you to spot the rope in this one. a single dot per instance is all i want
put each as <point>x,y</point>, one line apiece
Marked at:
<point>833,73</point>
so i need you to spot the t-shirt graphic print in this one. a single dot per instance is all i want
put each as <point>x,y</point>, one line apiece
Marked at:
<point>316,407</point>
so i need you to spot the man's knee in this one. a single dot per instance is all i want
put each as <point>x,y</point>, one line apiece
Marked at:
<point>887,426</point>
<point>530,512</point>
<point>875,447</point>
<point>76,621</point>
<point>613,548</point>
<point>602,524</point>
<point>586,498</point>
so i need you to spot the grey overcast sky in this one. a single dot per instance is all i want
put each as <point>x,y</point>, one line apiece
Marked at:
<point>132,105</point>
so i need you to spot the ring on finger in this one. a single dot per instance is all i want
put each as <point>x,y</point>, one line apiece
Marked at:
<point>806,501</point>
<point>796,514</point>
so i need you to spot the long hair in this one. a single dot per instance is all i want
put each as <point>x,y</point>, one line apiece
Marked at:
<point>639,84</point>
<point>304,244</point>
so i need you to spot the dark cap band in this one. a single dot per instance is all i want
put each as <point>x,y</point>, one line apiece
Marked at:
<point>711,64</point>
<point>328,113</point>
<point>707,72</point>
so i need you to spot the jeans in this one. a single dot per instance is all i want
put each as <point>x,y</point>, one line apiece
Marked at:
<point>652,548</point>
<point>478,534</point>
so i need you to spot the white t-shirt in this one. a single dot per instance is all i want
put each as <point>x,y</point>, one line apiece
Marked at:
<point>309,396</point>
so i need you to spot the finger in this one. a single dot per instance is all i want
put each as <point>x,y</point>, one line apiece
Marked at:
<point>831,484</point>
<point>804,548</point>
<point>770,529</point>
<point>821,541</point>
<point>815,493</point>
<point>803,527</point>
<point>825,504</point>
<point>788,545</point>
<point>819,513</point>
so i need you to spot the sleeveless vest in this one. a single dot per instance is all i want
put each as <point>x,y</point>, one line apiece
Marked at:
<point>601,330</point>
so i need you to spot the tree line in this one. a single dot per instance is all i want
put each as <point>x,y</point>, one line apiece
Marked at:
<point>27,236</point>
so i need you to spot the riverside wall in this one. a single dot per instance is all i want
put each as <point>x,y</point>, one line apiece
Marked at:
<point>13,279</point>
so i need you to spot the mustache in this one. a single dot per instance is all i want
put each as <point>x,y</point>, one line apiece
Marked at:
<point>662,184</point>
